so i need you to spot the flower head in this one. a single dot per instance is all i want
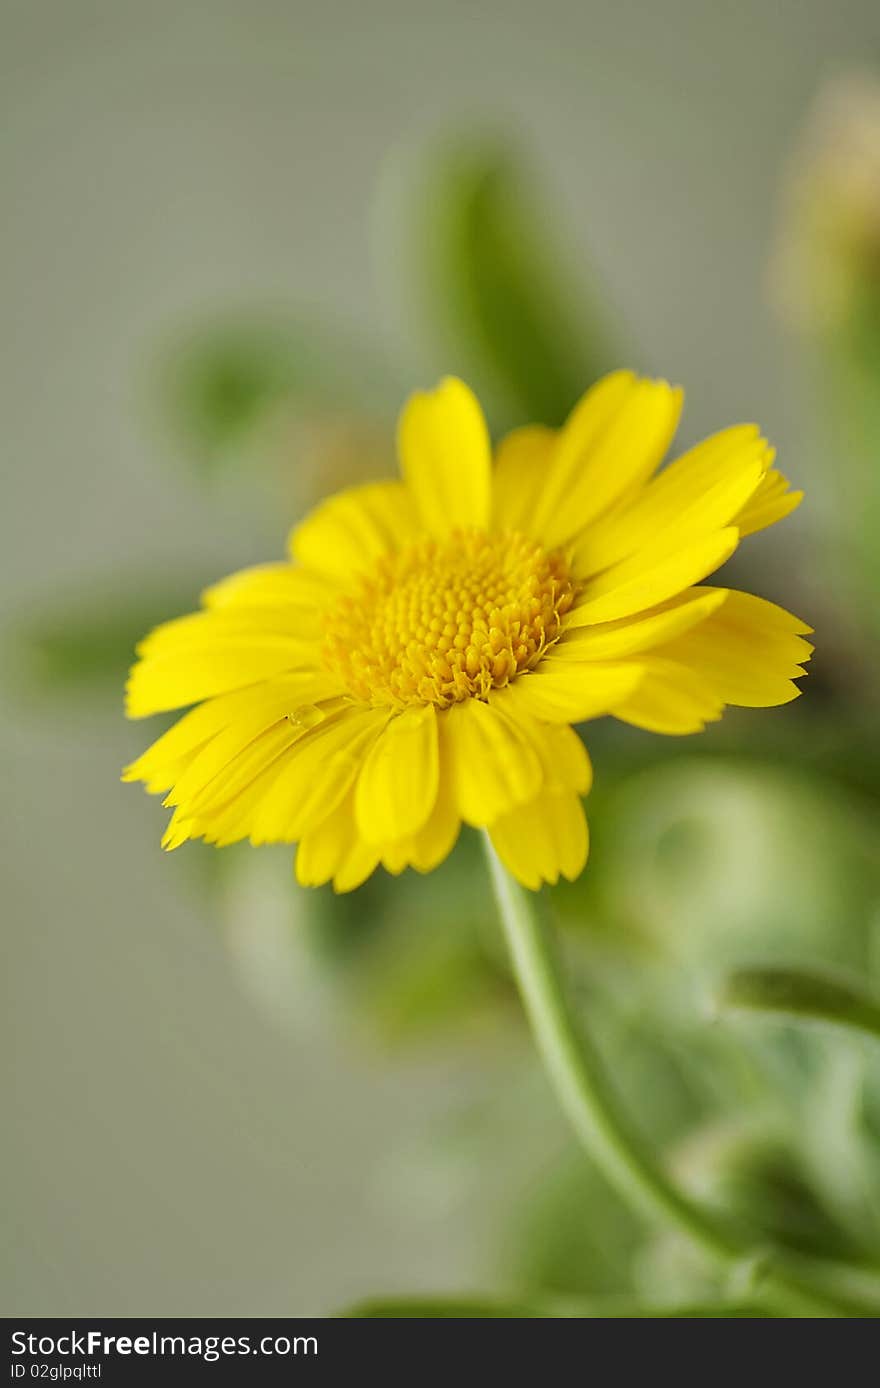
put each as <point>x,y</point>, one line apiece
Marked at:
<point>420,658</point>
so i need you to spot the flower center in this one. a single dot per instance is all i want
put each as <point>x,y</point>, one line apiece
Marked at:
<point>451,619</point>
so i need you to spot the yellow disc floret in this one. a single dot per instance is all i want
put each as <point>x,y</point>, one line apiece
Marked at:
<point>446,620</point>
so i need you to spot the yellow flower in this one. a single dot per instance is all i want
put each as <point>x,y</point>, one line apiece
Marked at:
<point>419,659</point>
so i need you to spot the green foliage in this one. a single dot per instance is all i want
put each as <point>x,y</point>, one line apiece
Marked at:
<point>420,980</point>
<point>755,1174</point>
<point>452,1308</point>
<point>851,379</point>
<point>412,953</point>
<point>86,643</point>
<point>225,382</point>
<point>489,279</point>
<point>572,1236</point>
<point>809,995</point>
<point>462,1308</point>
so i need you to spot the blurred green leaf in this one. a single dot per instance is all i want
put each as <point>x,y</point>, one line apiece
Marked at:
<point>452,1308</point>
<point>410,981</point>
<point>431,1308</point>
<point>88,641</point>
<point>851,383</point>
<point>489,273</point>
<point>572,1235</point>
<point>758,1177</point>
<point>818,996</point>
<point>424,979</point>
<point>676,835</point>
<point>223,382</point>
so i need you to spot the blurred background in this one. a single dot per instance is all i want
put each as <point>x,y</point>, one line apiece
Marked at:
<point>234,237</point>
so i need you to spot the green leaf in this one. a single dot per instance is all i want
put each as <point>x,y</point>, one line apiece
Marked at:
<point>755,1172</point>
<point>469,1308</point>
<point>573,1236</point>
<point>88,641</point>
<point>851,393</point>
<point>430,1308</point>
<point>223,382</point>
<point>412,984</point>
<point>814,995</point>
<point>485,267</point>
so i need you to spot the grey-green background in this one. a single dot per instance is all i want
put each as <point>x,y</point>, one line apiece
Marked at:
<point>187,1130</point>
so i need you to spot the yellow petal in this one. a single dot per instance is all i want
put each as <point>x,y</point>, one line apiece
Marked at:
<point>268,585</point>
<point>157,766</point>
<point>522,466</point>
<point>333,849</point>
<point>543,839</point>
<point>178,831</point>
<point>361,860</point>
<point>770,503</point>
<point>445,456</point>
<point>680,506</point>
<point>632,635</point>
<point>261,755</point>
<point>564,757</point>
<point>564,692</point>
<point>228,820</point>
<point>612,442</point>
<point>200,777</point>
<point>671,699</point>
<point>323,848</point>
<point>437,837</point>
<point>242,714</point>
<point>749,651</point>
<point>317,773</point>
<point>494,762</point>
<point>216,652</point>
<point>397,787</point>
<point>761,614</point>
<point>350,531</point>
<point>640,583</point>
<point>224,810</point>
<point>218,625</point>
<point>394,857</point>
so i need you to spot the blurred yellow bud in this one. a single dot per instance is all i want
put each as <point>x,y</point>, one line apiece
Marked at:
<point>828,247</point>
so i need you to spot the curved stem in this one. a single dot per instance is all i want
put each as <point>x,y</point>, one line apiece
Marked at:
<point>578,1077</point>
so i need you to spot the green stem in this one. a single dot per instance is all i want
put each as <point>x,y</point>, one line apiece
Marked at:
<point>577,1075</point>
